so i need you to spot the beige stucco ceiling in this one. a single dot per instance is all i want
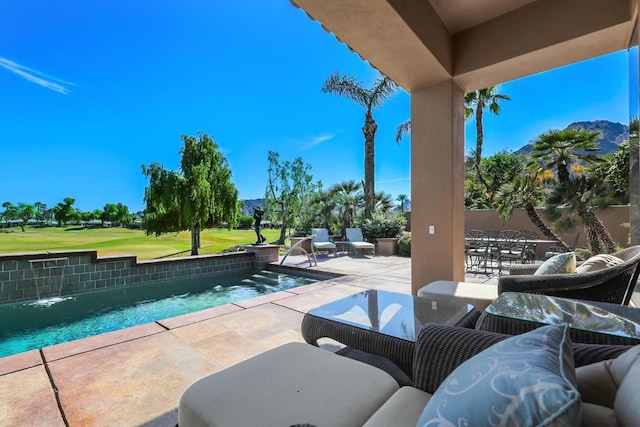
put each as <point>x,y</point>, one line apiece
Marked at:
<point>459,15</point>
<point>477,43</point>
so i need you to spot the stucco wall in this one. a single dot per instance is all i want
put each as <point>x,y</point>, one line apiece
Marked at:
<point>613,218</point>
<point>616,219</point>
<point>79,271</point>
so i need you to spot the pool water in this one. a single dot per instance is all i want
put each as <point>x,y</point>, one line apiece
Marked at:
<point>36,324</point>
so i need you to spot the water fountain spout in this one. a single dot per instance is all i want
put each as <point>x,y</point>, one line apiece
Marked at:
<point>48,275</point>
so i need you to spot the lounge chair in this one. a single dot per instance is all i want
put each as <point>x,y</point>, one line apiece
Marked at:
<point>356,241</point>
<point>321,241</point>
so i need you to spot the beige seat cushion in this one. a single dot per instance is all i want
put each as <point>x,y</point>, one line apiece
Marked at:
<point>613,384</point>
<point>403,409</point>
<point>597,416</point>
<point>292,384</point>
<point>599,262</point>
<point>627,404</point>
<point>479,295</point>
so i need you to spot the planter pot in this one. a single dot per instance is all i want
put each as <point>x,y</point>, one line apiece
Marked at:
<point>306,246</point>
<point>387,246</point>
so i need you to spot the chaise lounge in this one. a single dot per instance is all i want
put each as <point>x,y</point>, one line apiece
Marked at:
<point>301,384</point>
<point>356,241</point>
<point>321,241</point>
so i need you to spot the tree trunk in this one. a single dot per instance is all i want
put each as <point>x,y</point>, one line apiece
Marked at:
<point>479,139</point>
<point>369,130</point>
<point>593,240</point>
<point>563,173</point>
<point>283,234</point>
<point>546,231</point>
<point>195,238</point>
<point>602,232</point>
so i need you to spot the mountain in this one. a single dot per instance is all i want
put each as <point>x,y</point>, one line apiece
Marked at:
<point>612,134</point>
<point>247,209</point>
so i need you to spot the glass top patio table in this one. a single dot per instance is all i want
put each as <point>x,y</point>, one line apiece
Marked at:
<point>390,313</point>
<point>586,316</point>
<point>384,323</point>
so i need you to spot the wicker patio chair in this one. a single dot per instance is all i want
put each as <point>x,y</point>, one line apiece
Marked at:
<point>613,284</point>
<point>441,349</point>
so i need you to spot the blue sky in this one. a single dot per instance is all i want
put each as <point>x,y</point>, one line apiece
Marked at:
<point>93,90</point>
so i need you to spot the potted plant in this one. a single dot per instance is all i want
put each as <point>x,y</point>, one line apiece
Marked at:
<point>384,229</point>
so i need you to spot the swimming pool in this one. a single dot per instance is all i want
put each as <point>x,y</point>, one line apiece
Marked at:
<point>36,324</point>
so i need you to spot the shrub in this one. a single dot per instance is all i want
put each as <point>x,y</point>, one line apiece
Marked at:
<point>245,222</point>
<point>403,247</point>
<point>383,225</point>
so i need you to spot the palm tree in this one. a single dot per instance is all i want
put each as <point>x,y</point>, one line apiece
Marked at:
<point>384,202</point>
<point>402,199</point>
<point>476,102</point>
<point>562,149</point>
<point>369,98</point>
<point>525,191</point>
<point>559,149</point>
<point>579,196</point>
<point>347,198</point>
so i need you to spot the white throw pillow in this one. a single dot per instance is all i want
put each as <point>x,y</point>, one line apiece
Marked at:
<point>599,262</point>
<point>558,264</point>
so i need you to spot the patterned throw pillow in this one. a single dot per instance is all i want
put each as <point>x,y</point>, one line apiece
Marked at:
<point>599,262</point>
<point>558,264</point>
<point>525,380</point>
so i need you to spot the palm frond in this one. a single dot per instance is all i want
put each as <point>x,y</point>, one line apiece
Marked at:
<point>382,90</point>
<point>347,87</point>
<point>402,130</point>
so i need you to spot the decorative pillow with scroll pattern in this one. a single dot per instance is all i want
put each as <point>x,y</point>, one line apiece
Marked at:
<point>525,380</point>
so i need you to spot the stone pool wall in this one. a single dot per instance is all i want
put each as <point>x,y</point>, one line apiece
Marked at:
<point>27,276</point>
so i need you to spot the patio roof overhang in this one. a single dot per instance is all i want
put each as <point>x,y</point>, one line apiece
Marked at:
<point>440,49</point>
<point>419,43</point>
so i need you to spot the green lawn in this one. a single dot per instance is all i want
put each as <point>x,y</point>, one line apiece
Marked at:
<point>116,241</point>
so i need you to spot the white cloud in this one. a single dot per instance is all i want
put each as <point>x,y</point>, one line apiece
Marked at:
<point>36,77</point>
<point>393,180</point>
<point>312,141</point>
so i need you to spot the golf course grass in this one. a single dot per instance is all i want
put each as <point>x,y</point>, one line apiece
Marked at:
<point>119,241</point>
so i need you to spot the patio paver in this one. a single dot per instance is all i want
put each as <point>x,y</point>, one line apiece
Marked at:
<point>136,376</point>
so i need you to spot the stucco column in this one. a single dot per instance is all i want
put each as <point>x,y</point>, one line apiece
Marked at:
<point>437,184</point>
<point>634,157</point>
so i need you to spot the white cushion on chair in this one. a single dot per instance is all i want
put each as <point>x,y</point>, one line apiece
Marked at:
<point>599,262</point>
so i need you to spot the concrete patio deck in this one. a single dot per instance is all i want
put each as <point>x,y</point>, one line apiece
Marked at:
<point>135,376</point>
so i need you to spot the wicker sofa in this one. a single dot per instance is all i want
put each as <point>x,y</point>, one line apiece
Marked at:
<point>613,285</point>
<point>299,384</point>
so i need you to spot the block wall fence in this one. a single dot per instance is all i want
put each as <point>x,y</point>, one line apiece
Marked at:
<point>615,218</point>
<point>27,276</point>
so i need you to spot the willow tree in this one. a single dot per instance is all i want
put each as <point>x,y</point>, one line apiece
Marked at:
<point>368,98</point>
<point>200,195</point>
